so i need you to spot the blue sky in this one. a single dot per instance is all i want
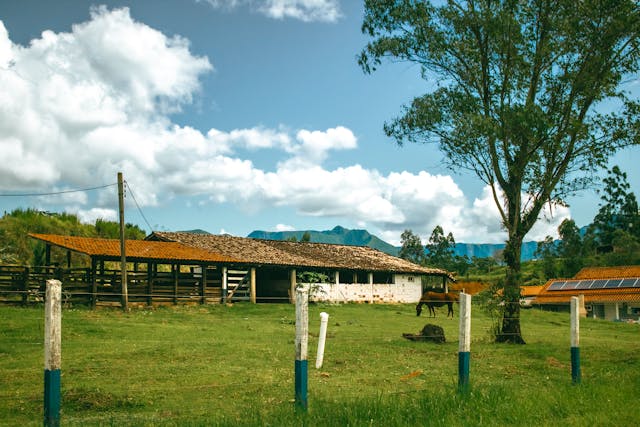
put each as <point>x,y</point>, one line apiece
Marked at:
<point>228,116</point>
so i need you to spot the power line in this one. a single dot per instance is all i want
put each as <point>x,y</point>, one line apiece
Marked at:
<point>54,193</point>
<point>138,206</point>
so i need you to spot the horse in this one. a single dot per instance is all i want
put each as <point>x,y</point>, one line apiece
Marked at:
<point>436,299</point>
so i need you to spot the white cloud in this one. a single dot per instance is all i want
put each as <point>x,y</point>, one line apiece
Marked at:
<point>284,227</point>
<point>69,115</point>
<point>89,216</point>
<point>303,10</point>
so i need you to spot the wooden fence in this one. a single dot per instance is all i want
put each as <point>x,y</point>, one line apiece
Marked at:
<point>25,285</point>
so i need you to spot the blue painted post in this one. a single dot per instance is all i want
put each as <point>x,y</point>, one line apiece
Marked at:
<point>52,352</point>
<point>302,339</point>
<point>464,351</point>
<point>575,340</point>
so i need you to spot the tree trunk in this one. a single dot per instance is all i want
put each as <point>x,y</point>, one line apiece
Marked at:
<point>510,330</point>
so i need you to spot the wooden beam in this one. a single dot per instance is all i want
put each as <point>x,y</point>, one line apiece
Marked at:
<point>252,289</point>
<point>204,283</point>
<point>292,290</point>
<point>94,282</point>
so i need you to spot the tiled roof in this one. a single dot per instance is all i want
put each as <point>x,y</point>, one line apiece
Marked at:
<point>608,272</point>
<point>594,295</point>
<point>590,296</point>
<point>134,249</point>
<point>530,291</point>
<point>299,254</point>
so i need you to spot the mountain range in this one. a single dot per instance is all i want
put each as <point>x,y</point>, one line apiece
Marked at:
<point>345,236</point>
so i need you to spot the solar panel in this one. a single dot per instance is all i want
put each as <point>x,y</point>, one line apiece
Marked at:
<point>568,285</point>
<point>613,283</point>
<point>571,284</point>
<point>599,284</point>
<point>556,286</point>
<point>585,284</point>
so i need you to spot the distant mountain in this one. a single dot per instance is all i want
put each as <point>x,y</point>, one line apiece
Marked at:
<point>344,236</point>
<point>338,235</point>
<point>196,231</point>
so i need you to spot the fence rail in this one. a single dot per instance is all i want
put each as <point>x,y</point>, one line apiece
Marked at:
<point>27,285</point>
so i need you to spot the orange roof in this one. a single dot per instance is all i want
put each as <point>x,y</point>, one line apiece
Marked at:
<point>594,295</point>
<point>530,291</point>
<point>609,272</point>
<point>134,249</point>
<point>590,296</point>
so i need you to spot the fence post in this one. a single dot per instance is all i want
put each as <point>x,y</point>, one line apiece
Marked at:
<point>324,319</point>
<point>302,339</point>
<point>464,351</point>
<point>575,340</point>
<point>52,352</point>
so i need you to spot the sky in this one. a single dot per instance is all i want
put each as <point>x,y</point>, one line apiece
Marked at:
<point>228,116</point>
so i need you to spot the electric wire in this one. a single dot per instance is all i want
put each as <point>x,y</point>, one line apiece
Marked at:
<point>138,206</point>
<point>54,193</point>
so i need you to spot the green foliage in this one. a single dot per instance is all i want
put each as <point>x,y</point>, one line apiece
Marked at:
<point>412,249</point>
<point>515,87</point>
<point>547,252</point>
<point>440,249</point>
<point>570,248</point>
<point>17,248</point>
<point>618,210</point>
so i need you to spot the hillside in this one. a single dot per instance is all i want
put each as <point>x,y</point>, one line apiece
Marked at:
<point>338,235</point>
<point>344,236</point>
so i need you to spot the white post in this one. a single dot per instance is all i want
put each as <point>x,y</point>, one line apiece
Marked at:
<point>52,352</point>
<point>301,343</point>
<point>464,351</point>
<point>575,340</point>
<point>225,284</point>
<point>324,319</point>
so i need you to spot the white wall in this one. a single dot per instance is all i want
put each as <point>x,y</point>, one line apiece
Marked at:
<point>404,292</point>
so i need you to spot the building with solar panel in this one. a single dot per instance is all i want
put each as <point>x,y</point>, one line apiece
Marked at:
<point>611,293</point>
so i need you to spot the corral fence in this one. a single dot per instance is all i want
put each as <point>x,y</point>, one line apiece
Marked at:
<point>27,285</point>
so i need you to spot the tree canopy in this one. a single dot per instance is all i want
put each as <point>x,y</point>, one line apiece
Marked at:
<point>515,86</point>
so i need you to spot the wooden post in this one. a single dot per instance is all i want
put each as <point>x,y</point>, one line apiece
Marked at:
<point>301,342</point>
<point>575,340</point>
<point>464,351</point>
<point>225,284</point>
<point>123,258</point>
<point>149,285</point>
<point>175,269</point>
<point>52,352</point>
<point>252,288</point>
<point>94,282</point>
<point>324,319</point>
<point>293,285</point>
<point>204,283</point>
<point>25,286</point>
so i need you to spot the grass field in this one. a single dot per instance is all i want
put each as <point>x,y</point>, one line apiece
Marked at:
<point>219,365</point>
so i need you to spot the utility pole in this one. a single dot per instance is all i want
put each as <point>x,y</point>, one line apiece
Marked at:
<point>123,257</point>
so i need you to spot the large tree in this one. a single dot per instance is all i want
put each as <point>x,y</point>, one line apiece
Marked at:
<point>440,249</point>
<point>411,249</point>
<point>515,86</point>
<point>618,210</point>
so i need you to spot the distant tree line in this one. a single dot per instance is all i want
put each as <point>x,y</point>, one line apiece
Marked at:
<point>613,238</point>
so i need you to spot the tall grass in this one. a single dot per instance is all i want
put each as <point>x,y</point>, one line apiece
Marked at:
<point>219,365</point>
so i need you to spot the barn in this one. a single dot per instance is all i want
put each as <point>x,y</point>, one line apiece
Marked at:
<point>172,267</point>
<point>336,273</point>
<point>611,293</point>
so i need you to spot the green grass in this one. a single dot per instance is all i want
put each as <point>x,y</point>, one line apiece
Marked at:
<point>219,365</point>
